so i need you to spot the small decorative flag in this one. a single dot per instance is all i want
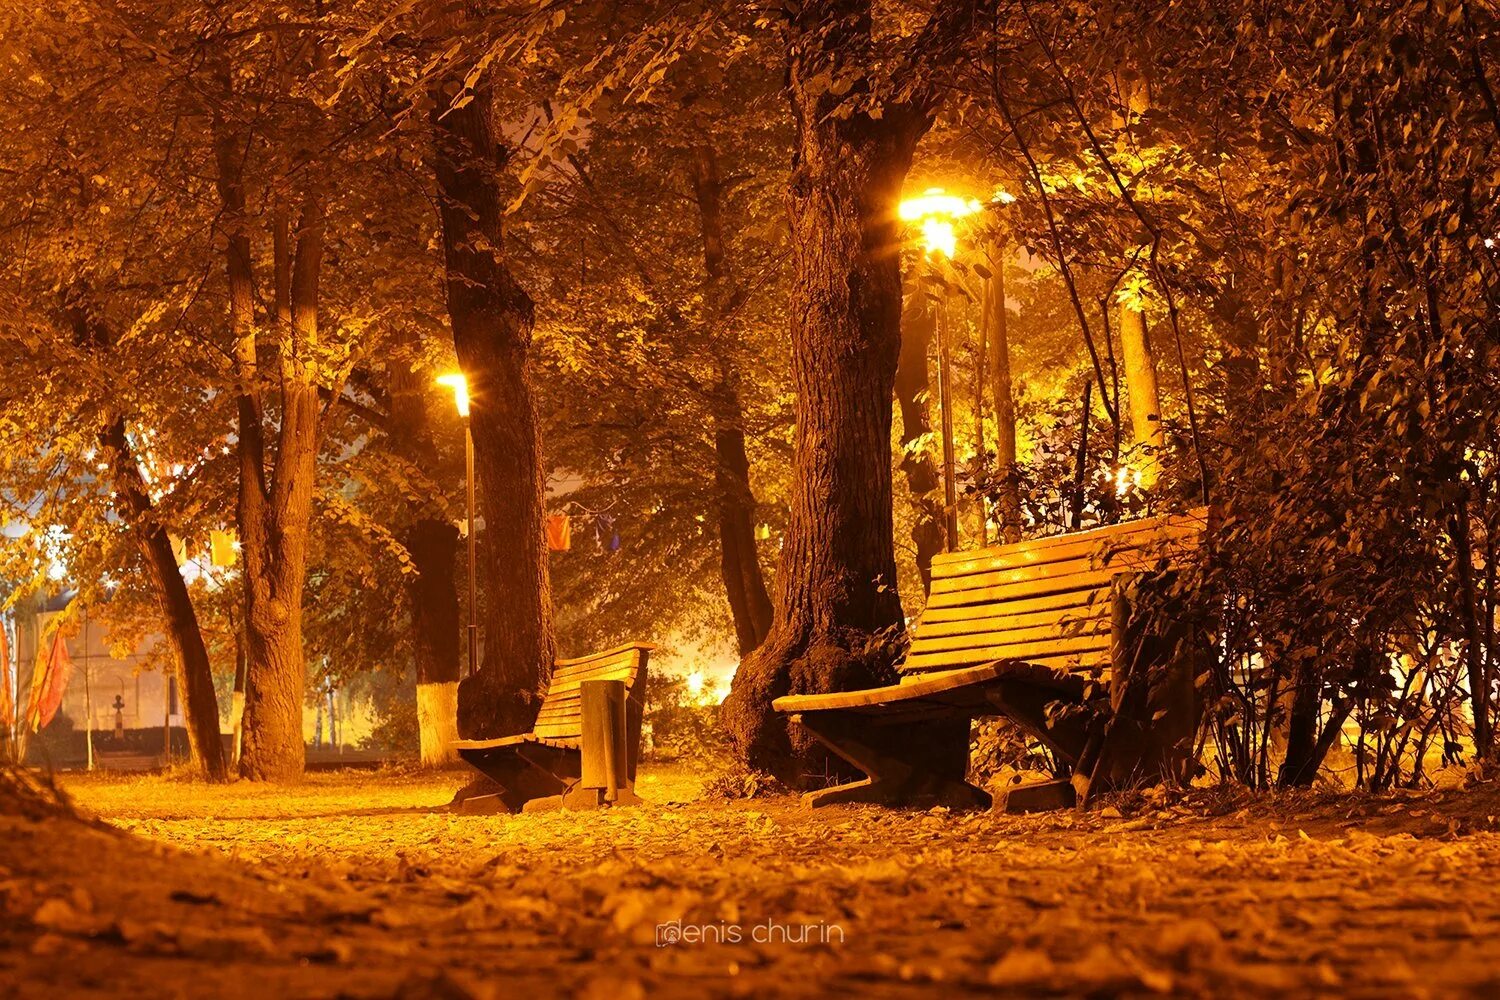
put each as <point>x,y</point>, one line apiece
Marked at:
<point>7,704</point>
<point>559,532</point>
<point>48,683</point>
<point>221,546</point>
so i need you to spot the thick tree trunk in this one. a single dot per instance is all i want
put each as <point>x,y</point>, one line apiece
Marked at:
<point>176,606</point>
<point>913,388</point>
<point>274,524</point>
<point>739,561</point>
<point>836,585</point>
<point>432,592</point>
<point>1008,502</point>
<point>274,510</point>
<point>491,316</point>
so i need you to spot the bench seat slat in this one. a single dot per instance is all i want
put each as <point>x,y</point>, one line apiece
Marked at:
<point>995,619</point>
<point>1027,651</point>
<point>1004,636</point>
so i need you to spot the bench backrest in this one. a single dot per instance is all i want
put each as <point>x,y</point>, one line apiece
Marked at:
<point>1045,601</point>
<point>561,716</point>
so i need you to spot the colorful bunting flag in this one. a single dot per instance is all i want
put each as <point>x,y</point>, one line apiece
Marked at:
<point>559,532</point>
<point>7,702</point>
<point>48,683</point>
<point>221,546</point>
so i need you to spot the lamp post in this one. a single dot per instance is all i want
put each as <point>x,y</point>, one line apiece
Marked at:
<point>460,387</point>
<point>936,212</point>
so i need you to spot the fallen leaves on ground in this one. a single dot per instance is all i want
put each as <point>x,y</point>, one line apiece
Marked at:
<point>361,884</point>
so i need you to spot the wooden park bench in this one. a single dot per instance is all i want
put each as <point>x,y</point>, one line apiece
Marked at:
<point>1033,631</point>
<point>582,750</point>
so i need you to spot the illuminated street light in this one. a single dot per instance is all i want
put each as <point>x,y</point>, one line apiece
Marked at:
<point>935,211</point>
<point>460,386</point>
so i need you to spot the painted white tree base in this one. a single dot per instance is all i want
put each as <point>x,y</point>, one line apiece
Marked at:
<point>437,720</point>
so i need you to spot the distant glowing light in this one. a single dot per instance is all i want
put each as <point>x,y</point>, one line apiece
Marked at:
<point>695,682</point>
<point>460,387</point>
<point>935,211</point>
<point>1003,197</point>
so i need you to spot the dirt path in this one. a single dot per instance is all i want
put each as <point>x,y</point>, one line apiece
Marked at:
<point>360,885</point>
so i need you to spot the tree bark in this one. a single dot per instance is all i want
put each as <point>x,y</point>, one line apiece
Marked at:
<point>913,388</point>
<point>431,591</point>
<point>175,603</point>
<point>274,509</point>
<point>1008,501</point>
<point>739,561</point>
<point>836,585</point>
<point>491,316</point>
<point>1144,395</point>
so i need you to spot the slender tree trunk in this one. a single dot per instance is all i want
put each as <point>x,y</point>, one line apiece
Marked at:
<point>1008,502</point>
<point>1141,388</point>
<point>1138,357</point>
<point>836,585</point>
<point>913,389</point>
<point>176,606</point>
<point>739,561</point>
<point>491,316</point>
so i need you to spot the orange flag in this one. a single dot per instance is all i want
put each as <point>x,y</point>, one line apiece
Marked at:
<point>559,533</point>
<point>48,683</point>
<point>7,704</point>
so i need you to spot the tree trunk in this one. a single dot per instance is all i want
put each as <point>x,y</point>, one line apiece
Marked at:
<point>1008,502</point>
<point>175,603</point>
<point>492,317</point>
<point>1141,387</point>
<point>432,592</point>
<point>273,510</point>
<point>913,388</point>
<point>836,585</point>
<point>739,561</point>
<point>274,524</point>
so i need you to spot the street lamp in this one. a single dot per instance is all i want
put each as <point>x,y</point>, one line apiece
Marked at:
<point>935,212</point>
<point>460,387</point>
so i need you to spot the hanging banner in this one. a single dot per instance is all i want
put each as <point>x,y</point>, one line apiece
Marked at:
<point>49,681</point>
<point>7,702</point>
<point>559,532</point>
<point>221,546</point>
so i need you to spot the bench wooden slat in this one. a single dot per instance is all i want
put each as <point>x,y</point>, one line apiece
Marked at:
<point>994,619</point>
<point>1041,586</point>
<point>1093,625</point>
<point>1027,651</point>
<point>1045,602</point>
<point>1072,545</point>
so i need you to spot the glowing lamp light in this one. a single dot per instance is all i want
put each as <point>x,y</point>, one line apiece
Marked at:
<point>935,211</point>
<point>460,387</point>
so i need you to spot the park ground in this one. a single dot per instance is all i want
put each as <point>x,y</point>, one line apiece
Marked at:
<point>362,884</point>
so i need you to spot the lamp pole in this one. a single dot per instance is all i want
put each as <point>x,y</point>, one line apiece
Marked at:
<point>945,402</point>
<point>473,547</point>
<point>936,212</point>
<point>460,386</point>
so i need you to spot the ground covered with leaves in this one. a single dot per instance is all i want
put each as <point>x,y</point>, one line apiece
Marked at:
<point>361,884</point>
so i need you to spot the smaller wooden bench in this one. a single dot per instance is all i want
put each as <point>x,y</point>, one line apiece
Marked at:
<point>1014,630</point>
<point>568,742</point>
